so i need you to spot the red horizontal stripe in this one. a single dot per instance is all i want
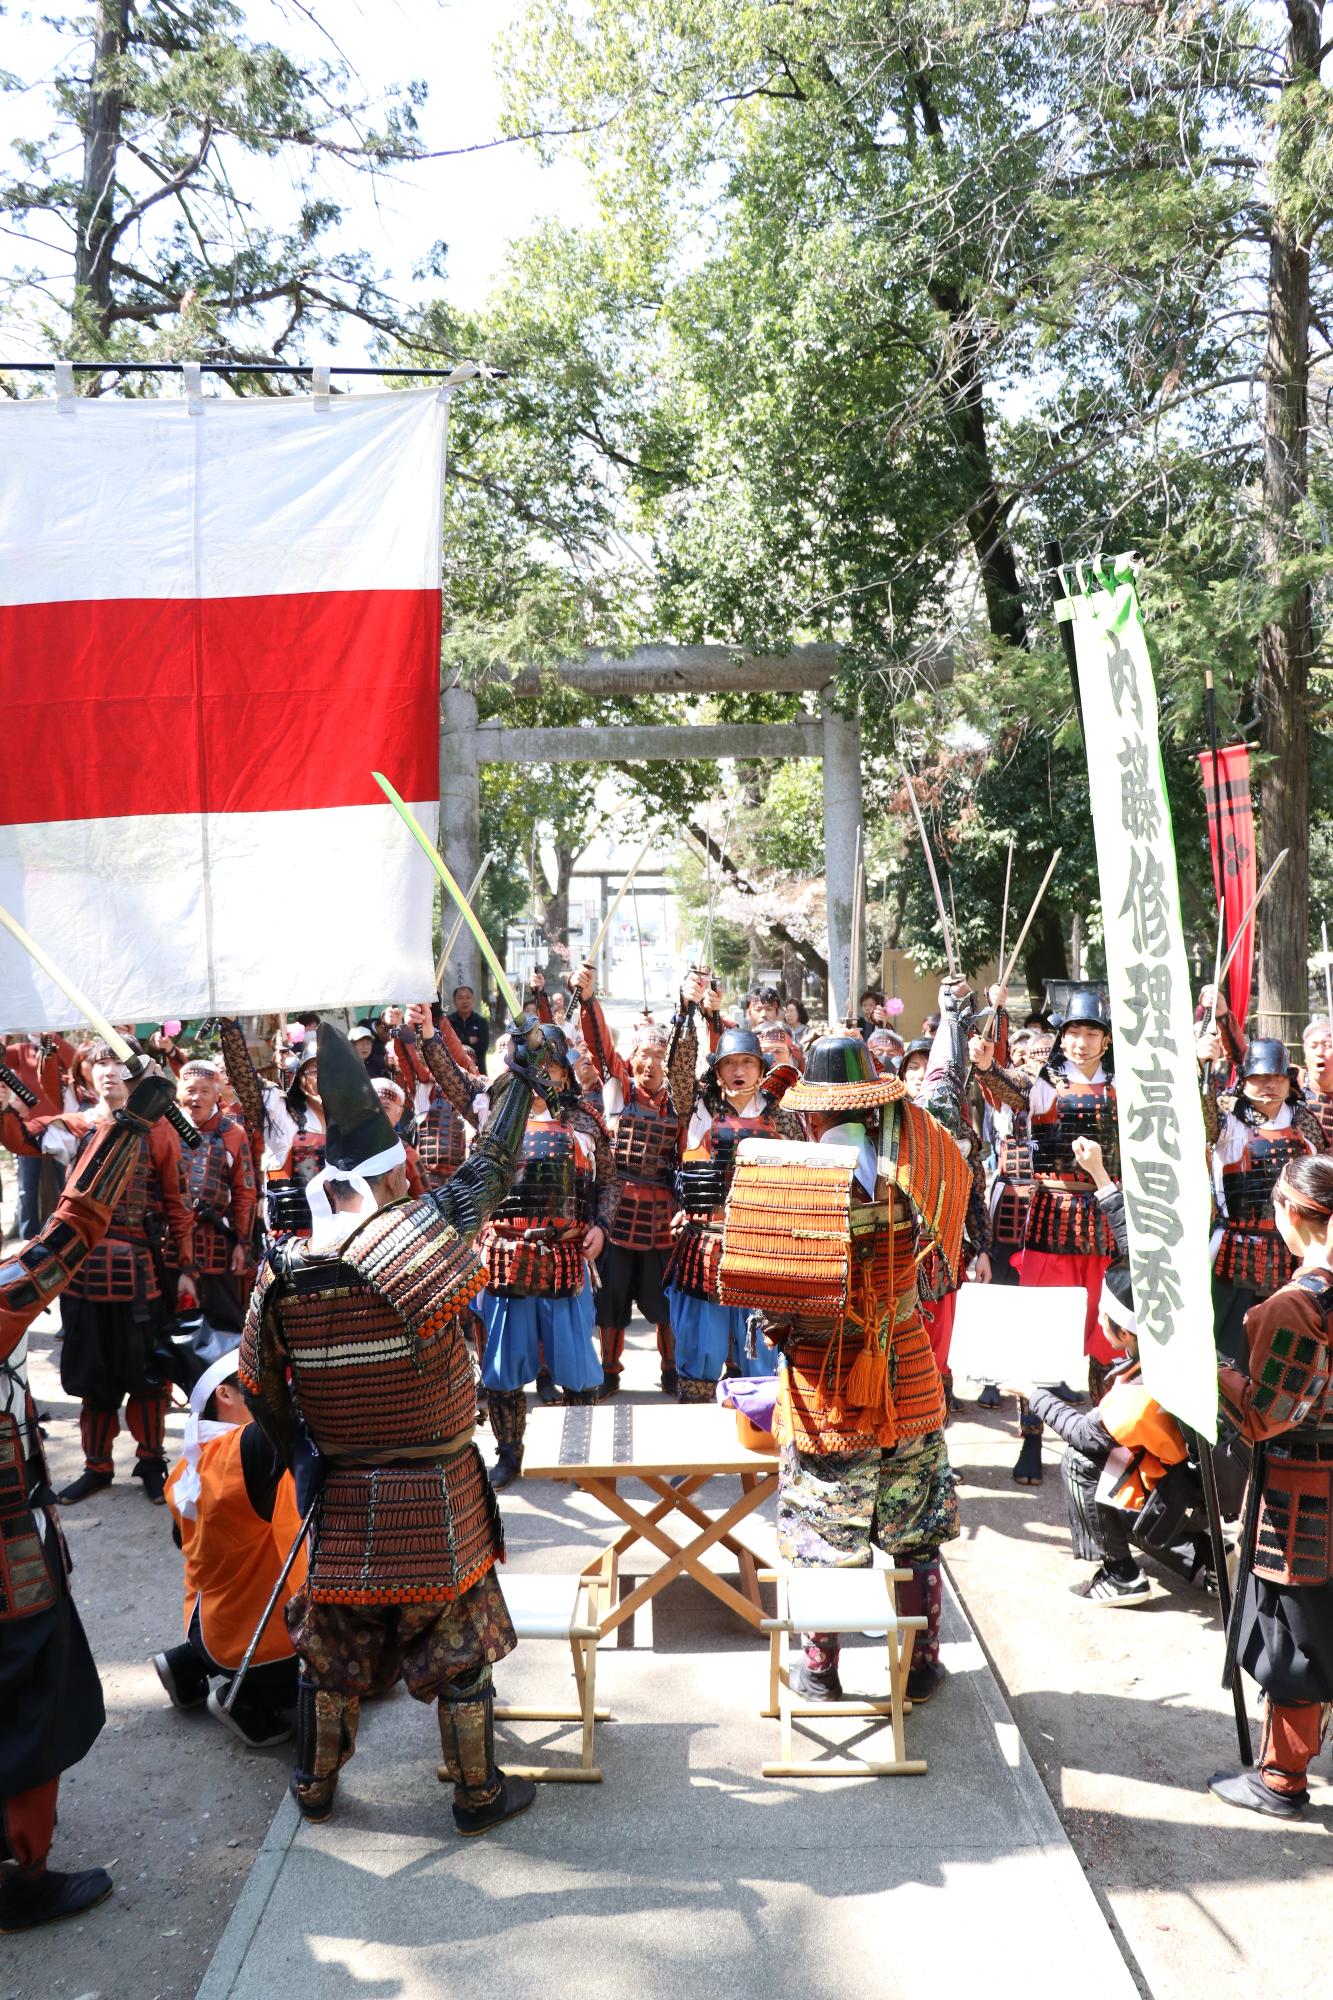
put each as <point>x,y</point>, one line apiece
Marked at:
<point>217,704</point>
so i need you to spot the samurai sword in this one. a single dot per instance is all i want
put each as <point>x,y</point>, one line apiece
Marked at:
<point>1004,909</point>
<point>442,869</point>
<point>950,958</point>
<point>714,886</point>
<point>452,938</point>
<point>1005,971</point>
<point>591,960</point>
<point>269,1609</point>
<point>1243,926</point>
<point>115,1041</point>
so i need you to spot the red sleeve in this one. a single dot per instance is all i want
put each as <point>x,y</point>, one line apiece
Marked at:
<point>407,1061</point>
<point>597,1039</point>
<point>415,1184</point>
<point>462,1056</point>
<point>164,1150</point>
<point>539,1004</point>
<point>18,1137</point>
<point>242,1182</point>
<point>21,1299</point>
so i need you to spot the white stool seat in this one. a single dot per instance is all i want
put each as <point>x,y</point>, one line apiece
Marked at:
<point>840,1600</point>
<point>547,1607</point>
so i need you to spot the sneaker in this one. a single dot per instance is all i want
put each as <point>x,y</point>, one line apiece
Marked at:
<point>256,1727</point>
<point>51,1896</point>
<point>87,1483</point>
<point>1104,1589</point>
<point>1248,1790</point>
<point>182,1690</point>
<point>514,1796</point>
<point>153,1474</point>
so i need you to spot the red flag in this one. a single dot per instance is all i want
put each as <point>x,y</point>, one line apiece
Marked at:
<point>1231,839</point>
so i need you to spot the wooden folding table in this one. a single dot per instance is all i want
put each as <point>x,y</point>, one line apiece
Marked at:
<point>673,1450</point>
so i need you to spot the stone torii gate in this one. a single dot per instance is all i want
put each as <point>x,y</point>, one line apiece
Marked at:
<point>832,736</point>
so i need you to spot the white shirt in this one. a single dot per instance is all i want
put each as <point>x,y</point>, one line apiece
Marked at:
<point>702,1120</point>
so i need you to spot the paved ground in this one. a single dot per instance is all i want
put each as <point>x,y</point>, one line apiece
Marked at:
<point>1124,1716</point>
<point>795,1885</point>
<point>686,1871</point>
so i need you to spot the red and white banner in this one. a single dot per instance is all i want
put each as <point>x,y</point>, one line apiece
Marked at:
<point>217,617</point>
<point>1230,809</point>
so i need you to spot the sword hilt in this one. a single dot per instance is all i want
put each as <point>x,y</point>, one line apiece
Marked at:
<point>175,1117</point>
<point>18,1086</point>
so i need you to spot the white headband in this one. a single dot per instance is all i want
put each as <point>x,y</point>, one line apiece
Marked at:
<point>328,1230</point>
<point>199,1429</point>
<point>1119,1314</point>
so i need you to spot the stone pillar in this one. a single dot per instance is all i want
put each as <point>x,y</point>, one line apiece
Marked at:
<point>842,824</point>
<point>460,831</point>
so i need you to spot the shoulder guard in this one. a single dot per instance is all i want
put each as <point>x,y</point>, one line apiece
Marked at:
<point>416,1260</point>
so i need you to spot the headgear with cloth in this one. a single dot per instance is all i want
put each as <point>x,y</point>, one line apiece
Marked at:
<point>359,1141</point>
<point>199,1429</point>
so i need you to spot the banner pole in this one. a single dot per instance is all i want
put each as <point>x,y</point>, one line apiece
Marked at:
<point>1055,562</point>
<point>1210,708</point>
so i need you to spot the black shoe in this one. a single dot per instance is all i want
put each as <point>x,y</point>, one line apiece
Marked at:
<point>1065,1393</point>
<point>546,1389</point>
<point>1027,1471</point>
<point>990,1398</point>
<point>507,1467</point>
<point>922,1683</point>
<point>514,1796</point>
<point>670,1381</point>
<point>814,1683</point>
<point>257,1726</point>
<point>83,1487</point>
<point>610,1387</point>
<point>315,1810</point>
<point>50,1896</point>
<point>153,1473</point>
<point>1247,1789</point>
<point>1104,1588</point>
<point>184,1690</point>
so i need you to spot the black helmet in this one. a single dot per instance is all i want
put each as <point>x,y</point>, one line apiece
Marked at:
<point>841,1074</point>
<point>739,1042</point>
<point>1086,1008</point>
<point>922,1046</point>
<point>1266,1056</point>
<point>555,1045</point>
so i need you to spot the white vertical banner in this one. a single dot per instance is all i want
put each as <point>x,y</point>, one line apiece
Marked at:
<point>1162,1146</point>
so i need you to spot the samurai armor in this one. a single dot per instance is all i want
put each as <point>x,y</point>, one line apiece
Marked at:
<point>287,1208</point>
<point>1322,1108</point>
<point>1253,1258</point>
<point>786,1236</point>
<point>1014,1161</point>
<point>696,1261</point>
<point>1082,1110</point>
<point>307,1155</point>
<point>1067,1223</point>
<point>545,1185</point>
<point>208,1193</point>
<point>25,1580</point>
<point>1247,1186</point>
<point>527,1267</point>
<point>1010,1221</point>
<point>1295,1531</point>
<point>441,1141</point>
<point>120,1268</point>
<point>645,1148</point>
<point>373,1337</point>
<point>704,1180</point>
<point>406,1534</point>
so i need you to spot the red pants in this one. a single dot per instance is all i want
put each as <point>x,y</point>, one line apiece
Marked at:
<point>1049,1267</point>
<point>27,1826</point>
<point>937,1318</point>
<point>145,1420</point>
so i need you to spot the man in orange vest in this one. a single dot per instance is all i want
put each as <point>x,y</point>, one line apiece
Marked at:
<point>234,1506</point>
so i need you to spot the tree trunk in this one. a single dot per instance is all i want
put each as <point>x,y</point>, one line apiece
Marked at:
<point>807,954</point>
<point>1043,957</point>
<point>101,143</point>
<point>962,386</point>
<point>554,914</point>
<point>1286,642</point>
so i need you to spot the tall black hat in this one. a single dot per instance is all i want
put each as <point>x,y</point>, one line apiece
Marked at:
<point>357,1127</point>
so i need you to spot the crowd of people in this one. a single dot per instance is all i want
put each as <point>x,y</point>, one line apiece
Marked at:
<point>380,1235</point>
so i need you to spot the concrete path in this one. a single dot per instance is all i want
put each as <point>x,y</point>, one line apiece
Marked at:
<point>685,1873</point>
